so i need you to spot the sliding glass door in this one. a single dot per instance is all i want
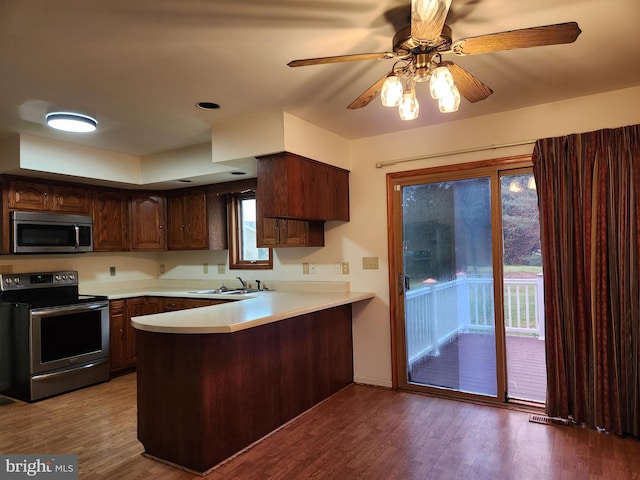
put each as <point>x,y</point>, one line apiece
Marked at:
<point>461,249</point>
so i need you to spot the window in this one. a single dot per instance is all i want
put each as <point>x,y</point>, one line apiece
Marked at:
<point>243,250</point>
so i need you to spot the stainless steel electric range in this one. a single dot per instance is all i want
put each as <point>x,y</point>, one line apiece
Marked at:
<point>52,339</point>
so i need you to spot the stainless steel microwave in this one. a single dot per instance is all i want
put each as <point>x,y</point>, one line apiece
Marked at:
<point>40,232</point>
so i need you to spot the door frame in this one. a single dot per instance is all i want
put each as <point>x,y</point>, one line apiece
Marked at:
<point>395,182</point>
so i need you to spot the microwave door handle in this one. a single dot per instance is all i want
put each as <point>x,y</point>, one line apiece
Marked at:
<point>77,229</point>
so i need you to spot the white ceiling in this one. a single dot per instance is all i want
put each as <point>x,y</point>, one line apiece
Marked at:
<point>140,66</point>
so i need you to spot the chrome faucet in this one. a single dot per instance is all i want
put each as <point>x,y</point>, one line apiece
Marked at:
<point>244,284</point>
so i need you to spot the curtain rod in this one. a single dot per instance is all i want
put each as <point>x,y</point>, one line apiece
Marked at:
<point>389,163</point>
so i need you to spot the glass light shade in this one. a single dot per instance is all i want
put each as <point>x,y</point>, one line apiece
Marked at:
<point>441,82</point>
<point>409,107</point>
<point>71,122</point>
<point>451,101</point>
<point>427,9</point>
<point>391,91</point>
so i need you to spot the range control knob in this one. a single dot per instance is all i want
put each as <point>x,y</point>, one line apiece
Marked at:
<point>7,281</point>
<point>71,276</point>
<point>57,278</point>
<point>16,280</point>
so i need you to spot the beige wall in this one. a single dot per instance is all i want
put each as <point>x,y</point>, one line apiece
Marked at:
<point>366,233</point>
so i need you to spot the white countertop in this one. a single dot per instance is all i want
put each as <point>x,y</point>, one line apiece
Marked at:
<point>250,310</point>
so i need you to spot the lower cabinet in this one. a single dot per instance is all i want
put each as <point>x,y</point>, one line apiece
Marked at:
<point>122,335</point>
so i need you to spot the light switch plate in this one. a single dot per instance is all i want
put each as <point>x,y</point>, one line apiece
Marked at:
<point>305,269</point>
<point>370,263</point>
<point>221,268</point>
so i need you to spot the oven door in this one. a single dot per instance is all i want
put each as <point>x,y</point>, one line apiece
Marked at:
<point>67,336</point>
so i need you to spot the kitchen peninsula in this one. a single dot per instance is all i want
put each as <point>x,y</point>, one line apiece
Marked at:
<point>213,380</point>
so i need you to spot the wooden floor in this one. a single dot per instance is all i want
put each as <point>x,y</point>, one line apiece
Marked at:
<point>468,364</point>
<point>361,432</point>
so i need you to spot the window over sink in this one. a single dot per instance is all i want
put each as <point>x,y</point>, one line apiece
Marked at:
<point>243,250</point>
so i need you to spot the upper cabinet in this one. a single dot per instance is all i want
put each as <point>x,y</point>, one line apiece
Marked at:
<point>196,220</point>
<point>110,220</point>
<point>291,186</point>
<point>148,221</point>
<point>26,194</point>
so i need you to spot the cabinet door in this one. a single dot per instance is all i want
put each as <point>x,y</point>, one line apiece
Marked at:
<point>195,204</point>
<point>292,233</point>
<point>117,334</point>
<point>267,232</point>
<point>176,223</point>
<point>135,308</point>
<point>25,195</point>
<point>72,199</point>
<point>110,221</point>
<point>148,222</point>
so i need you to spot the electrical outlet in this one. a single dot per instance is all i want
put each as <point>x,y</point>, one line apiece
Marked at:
<point>205,268</point>
<point>370,263</point>
<point>345,268</point>
<point>305,269</point>
<point>221,268</point>
<point>337,268</point>
<point>312,268</point>
<point>112,271</point>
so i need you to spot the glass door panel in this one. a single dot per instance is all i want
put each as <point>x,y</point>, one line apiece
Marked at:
<point>449,298</point>
<point>523,294</point>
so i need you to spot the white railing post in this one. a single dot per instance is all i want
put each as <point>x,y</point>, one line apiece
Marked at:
<point>463,301</point>
<point>540,306</point>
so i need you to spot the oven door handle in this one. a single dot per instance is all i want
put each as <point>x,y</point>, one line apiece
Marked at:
<point>85,307</point>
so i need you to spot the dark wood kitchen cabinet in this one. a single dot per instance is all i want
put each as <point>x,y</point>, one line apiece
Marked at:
<point>148,221</point>
<point>187,219</point>
<point>196,219</point>
<point>122,335</point>
<point>292,186</point>
<point>110,220</point>
<point>32,195</point>
<point>282,232</point>
<point>295,196</point>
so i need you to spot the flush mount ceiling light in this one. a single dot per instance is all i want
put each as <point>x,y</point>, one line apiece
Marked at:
<point>71,122</point>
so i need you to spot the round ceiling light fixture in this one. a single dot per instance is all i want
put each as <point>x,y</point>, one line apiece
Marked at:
<point>71,122</point>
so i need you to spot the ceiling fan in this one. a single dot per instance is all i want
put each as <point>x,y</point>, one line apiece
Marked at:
<point>418,50</point>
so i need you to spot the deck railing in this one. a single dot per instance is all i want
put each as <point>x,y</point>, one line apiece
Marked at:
<point>436,312</point>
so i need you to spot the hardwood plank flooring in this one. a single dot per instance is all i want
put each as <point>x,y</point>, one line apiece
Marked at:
<point>361,432</point>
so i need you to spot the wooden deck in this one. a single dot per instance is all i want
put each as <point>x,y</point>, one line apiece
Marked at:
<point>468,364</point>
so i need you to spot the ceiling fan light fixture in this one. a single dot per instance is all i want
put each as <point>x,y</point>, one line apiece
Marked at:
<point>392,91</point>
<point>441,82</point>
<point>409,107</point>
<point>71,122</point>
<point>450,102</point>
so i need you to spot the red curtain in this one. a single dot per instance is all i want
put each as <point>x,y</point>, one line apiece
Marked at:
<point>589,198</point>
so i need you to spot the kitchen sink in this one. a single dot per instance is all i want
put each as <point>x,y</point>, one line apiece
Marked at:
<point>233,291</point>
<point>239,291</point>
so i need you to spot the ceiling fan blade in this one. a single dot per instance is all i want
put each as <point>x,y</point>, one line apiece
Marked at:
<point>342,58</point>
<point>368,95</point>
<point>427,18</point>
<point>523,38</point>
<point>469,86</point>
